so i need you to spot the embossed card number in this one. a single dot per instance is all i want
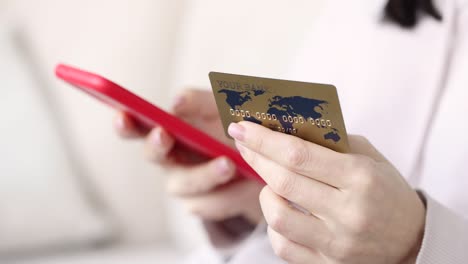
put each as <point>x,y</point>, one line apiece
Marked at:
<point>307,110</point>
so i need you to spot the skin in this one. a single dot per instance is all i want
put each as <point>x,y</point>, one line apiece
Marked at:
<point>354,208</point>
<point>320,206</point>
<point>204,187</point>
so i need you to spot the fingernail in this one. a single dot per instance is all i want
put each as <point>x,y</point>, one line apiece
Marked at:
<point>223,166</point>
<point>156,138</point>
<point>236,131</point>
<point>179,101</point>
<point>120,123</point>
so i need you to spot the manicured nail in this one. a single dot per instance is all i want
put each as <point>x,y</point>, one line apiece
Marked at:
<point>120,123</point>
<point>179,101</point>
<point>223,166</point>
<point>236,131</point>
<point>156,138</point>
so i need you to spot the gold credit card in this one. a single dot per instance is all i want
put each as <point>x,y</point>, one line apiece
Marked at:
<point>310,111</point>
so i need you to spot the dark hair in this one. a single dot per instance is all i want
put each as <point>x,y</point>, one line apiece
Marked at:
<point>406,12</point>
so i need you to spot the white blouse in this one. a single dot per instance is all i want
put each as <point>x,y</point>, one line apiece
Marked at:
<point>405,90</point>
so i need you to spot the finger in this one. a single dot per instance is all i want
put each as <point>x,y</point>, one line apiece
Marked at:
<point>195,102</point>
<point>127,127</point>
<point>158,145</point>
<point>303,229</point>
<point>198,179</point>
<point>361,145</point>
<point>314,196</point>
<point>303,157</point>
<point>291,251</point>
<point>228,201</point>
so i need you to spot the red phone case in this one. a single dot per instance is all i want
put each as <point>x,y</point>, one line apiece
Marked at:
<point>150,115</point>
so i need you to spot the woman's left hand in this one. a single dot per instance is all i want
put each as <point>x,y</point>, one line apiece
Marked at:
<point>361,209</point>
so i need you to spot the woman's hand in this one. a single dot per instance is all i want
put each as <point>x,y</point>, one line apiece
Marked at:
<point>204,186</point>
<point>361,208</point>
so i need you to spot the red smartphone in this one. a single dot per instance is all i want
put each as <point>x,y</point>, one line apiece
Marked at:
<point>150,115</point>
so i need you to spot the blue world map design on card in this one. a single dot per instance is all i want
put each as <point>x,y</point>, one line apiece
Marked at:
<point>294,106</point>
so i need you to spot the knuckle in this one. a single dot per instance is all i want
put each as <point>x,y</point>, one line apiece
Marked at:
<point>259,144</point>
<point>296,154</point>
<point>359,141</point>
<point>361,138</point>
<point>279,220</point>
<point>283,249</point>
<point>285,185</point>
<point>363,170</point>
<point>358,222</point>
<point>368,182</point>
<point>359,162</point>
<point>345,250</point>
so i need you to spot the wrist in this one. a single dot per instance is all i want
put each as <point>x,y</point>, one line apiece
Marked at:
<point>412,256</point>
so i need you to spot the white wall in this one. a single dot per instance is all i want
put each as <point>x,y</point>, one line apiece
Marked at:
<point>154,48</point>
<point>252,37</point>
<point>130,42</point>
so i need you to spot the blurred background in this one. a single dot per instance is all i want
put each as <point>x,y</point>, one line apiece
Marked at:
<point>71,191</point>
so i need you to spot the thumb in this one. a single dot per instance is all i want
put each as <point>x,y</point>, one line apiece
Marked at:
<point>361,145</point>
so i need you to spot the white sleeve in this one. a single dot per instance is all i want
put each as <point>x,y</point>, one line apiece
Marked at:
<point>228,235</point>
<point>227,238</point>
<point>446,233</point>
<point>255,247</point>
<point>445,236</point>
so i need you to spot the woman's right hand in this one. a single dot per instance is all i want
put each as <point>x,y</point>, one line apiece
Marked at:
<point>205,187</point>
